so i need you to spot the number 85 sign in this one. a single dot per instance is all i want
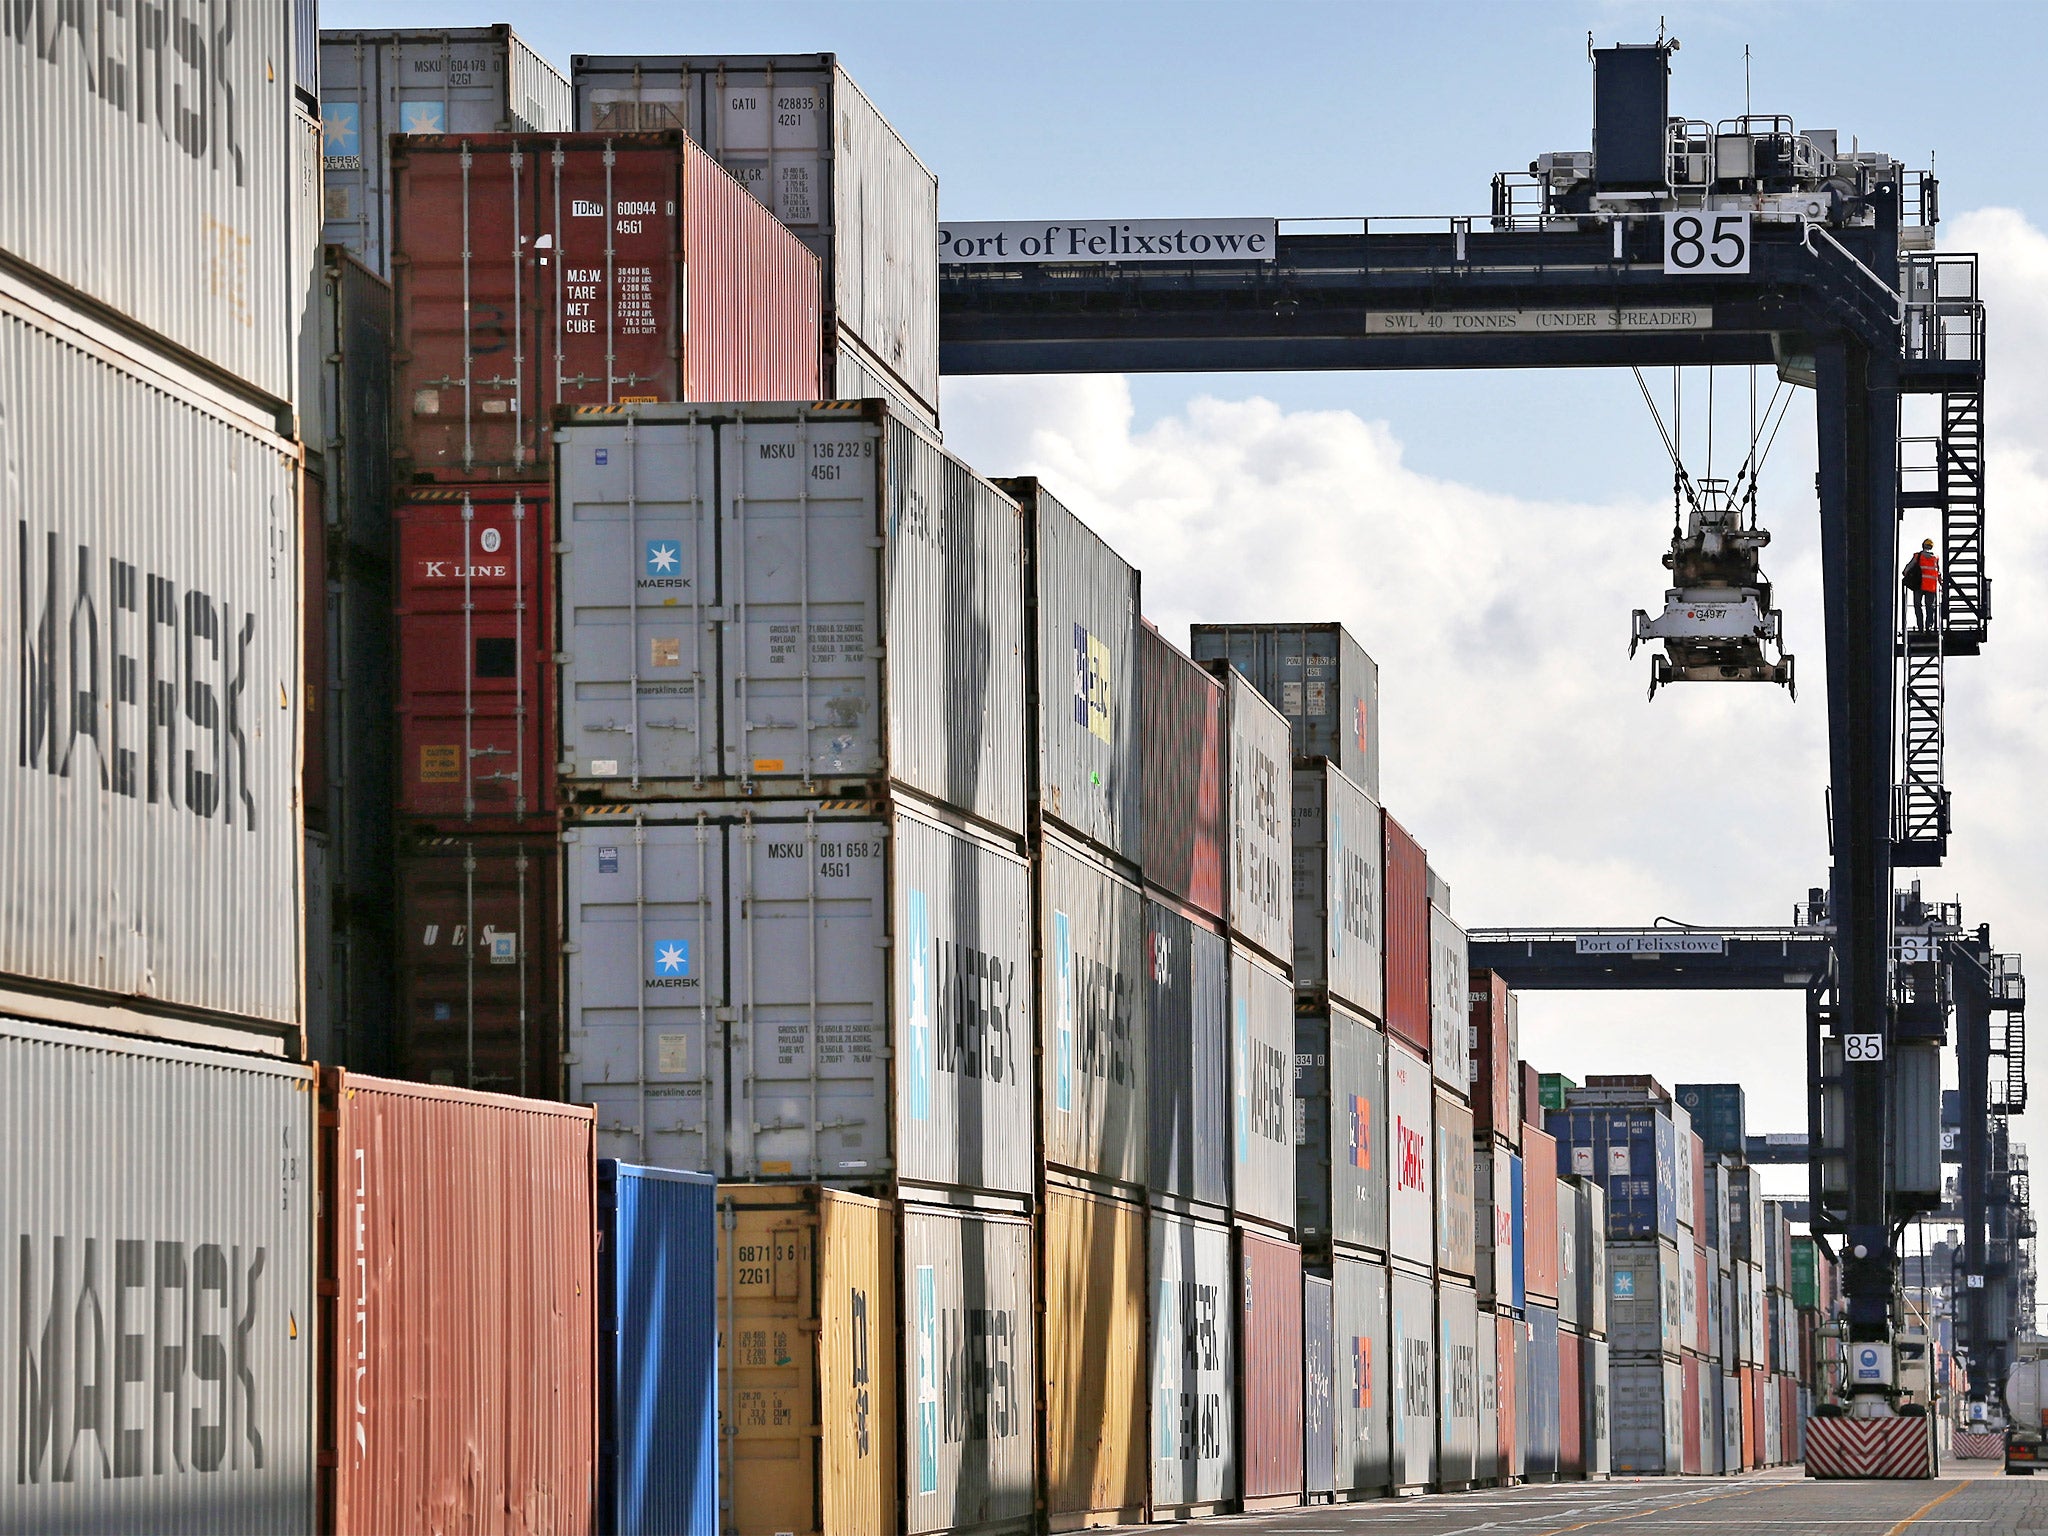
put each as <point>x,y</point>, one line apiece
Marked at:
<point>1696,243</point>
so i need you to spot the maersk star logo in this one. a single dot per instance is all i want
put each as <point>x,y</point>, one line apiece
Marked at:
<point>664,557</point>
<point>671,957</point>
<point>340,128</point>
<point>423,117</point>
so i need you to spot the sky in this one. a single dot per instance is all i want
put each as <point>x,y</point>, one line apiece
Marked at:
<point>1485,534</point>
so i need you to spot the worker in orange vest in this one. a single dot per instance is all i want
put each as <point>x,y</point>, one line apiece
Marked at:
<point>1922,578</point>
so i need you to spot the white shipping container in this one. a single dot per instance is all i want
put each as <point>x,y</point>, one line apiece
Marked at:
<point>1458,1384</point>
<point>1091,938</point>
<point>1339,889</point>
<point>1411,1221</point>
<point>1450,1019</point>
<point>1262,1090</point>
<point>1261,815</point>
<point>1494,1224</point>
<point>1456,1248</point>
<point>1194,1365</point>
<point>159,1284</point>
<point>152,821</point>
<point>1411,1337</point>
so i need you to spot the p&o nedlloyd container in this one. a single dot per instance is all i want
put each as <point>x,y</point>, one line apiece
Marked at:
<point>1339,889</point>
<point>797,600</point>
<point>132,1170</point>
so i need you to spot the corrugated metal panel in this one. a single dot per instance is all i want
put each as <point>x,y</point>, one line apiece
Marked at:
<point>854,373</point>
<point>1647,1415</point>
<point>1340,1145</point>
<point>1730,1387</point>
<point>320,949</point>
<point>1450,986</point>
<point>1683,1146</point>
<point>1570,1214</point>
<point>1269,1339</point>
<point>1691,1418</point>
<point>1339,889</point>
<point>1539,1196</point>
<point>1510,1336</point>
<point>449,80</point>
<point>1493,1224</point>
<point>1491,1028</point>
<point>1091,931</point>
<point>807,1307</point>
<point>1519,1218</point>
<point>1187,1026</point>
<point>1084,674</point>
<point>459,1248</point>
<point>1571,1405</point>
<point>1318,1388</point>
<point>1643,1297</point>
<point>313,655</point>
<point>1596,1393</point>
<point>1407,938</point>
<point>209,1155</point>
<point>1719,1115</point>
<point>1913,1120</point>
<point>1411,1344</point>
<point>1367,1387</point>
<point>1592,1242</point>
<point>305,277</point>
<point>1540,1388</point>
<point>1260,809</point>
<point>657,1310</point>
<point>1411,1223</point>
<point>1631,1152</point>
<point>969,1422</point>
<point>1194,1366</point>
<point>1457,1385</point>
<point>1094,1366</point>
<point>1320,678</point>
<point>126,872</point>
<point>1181,737</point>
<point>89,145</point>
<point>1262,1089</point>
<point>1456,1246</point>
<point>1690,1310</point>
<point>1486,1463</point>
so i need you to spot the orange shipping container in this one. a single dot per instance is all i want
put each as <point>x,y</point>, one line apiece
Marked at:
<point>457,1257</point>
<point>1539,1215</point>
<point>1752,1418</point>
<point>1094,1358</point>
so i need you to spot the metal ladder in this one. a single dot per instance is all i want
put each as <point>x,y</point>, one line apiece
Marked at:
<point>1965,589</point>
<point>2009,995</point>
<point>1920,805</point>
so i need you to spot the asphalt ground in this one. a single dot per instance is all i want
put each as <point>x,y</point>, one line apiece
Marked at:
<point>1970,1499</point>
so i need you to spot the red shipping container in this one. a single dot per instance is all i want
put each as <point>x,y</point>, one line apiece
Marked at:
<point>1539,1214</point>
<point>1788,1398</point>
<point>1532,1095</point>
<point>1407,937</point>
<point>1571,1411</point>
<point>1183,746</point>
<point>478,949</point>
<point>458,1281</point>
<point>1640,1081</point>
<point>1689,1405</point>
<point>476,669</point>
<point>1270,1369</point>
<point>1505,1395</point>
<point>313,652</point>
<point>1752,1417</point>
<point>533,271</point>
<point>1493,1055</point>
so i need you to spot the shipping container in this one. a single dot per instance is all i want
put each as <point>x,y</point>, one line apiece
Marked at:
<point>479,958</point>
<point>1805,1274</point>
<point>1712,1463</point>
<point>1262,1087</point>
<point>1093,1366</point>
<point>1647,1406</point>
<point>1552,1089</point>
<point>865,967</point>
<point>1752,1424</point>
<point>1689,1308</point>
<point>1366,1383</point>
<point>1091,933</point>
<point>1456,1246</point>
<point>1745,1215</point>
<point>1700,1335</point>
<point>1632,1154</point>
<point>1720,1347</point>
<point>1339,889</point>
<point>1596,1388</point>
<point>314,653</point>
<point>1690,1420</point>
<point>1791,1435</point>
<point>1493,1030</point>
<point>458,1266</point>
<point>1318,1388</point>
<point>538,271</point>
<point>1777,1258</point>
<point>1082,680</point>
<point>374,84</point>
<point>180,214</point>
<point>1731,1423</point>
<point>1320,678</point>
<point>1644,1299</point>
<point>1411,1216</point>
<point>1612,1088</point>
<point>1270,1368</point>
<point>1407,938</point>
<point>1750,1328</point>
<point>1187,1056</point>
<point>701,543</point>
<point>969,1430</point>
<point>1340,1149</point>
<point>476,656</point>
<point>1715,1232</point>
<point>1571,1406</point>
<point>1697,1200</point>
<point>208,1155</point>
<point>1450,989</point>
<point>1773,1423</point>
<point>1518,1209</point>
<point>1182,713</point>
<point>1592,1261</point>
<point>657,1351</point>
<point>1570,1214</point>
<point>1260,811</point>
<point>808,1375</point>
<point>1539,1247</point>
<point>1486,1465</point>
<point>155,860</point>
<point>799,134</point>
<point>1411,1351</point>
<point>1194,1367</point>
<point>1509,1351</point>
<point>1493,1224</point>
<point>1541,1393</point>
<point>1457,1355</point>
<point>1683,1146</point>
<point>320,949</point>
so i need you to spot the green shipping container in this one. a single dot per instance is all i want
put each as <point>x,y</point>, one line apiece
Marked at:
<point>1805,1291</point>
<point>1554,1086</point>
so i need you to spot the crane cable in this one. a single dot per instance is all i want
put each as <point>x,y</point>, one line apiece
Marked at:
<point>1752,465</point>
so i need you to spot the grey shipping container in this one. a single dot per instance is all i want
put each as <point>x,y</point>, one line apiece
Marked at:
<point>132,1169</point>
<point>1366,1384</point>
<point>177,212</point>
<point>799,134</point>
<point>1458,1419</point>
<point>1318,1387</point>
<point>1083,677</point>
<point>1456,1248</point>
<point>1187,1024</point>
<point>1570,1214</point>
<point>969,1406</point>
<point>1689,1299</point>
<point>1596,1396</point>
<point>1719,1115</point>
<point>1731,1420</point>
<point>1340,1142</point>
<point>1091,1007</point>
<point>1262,1091</point>
<point>1542,1392</point>
<point>155,858</point>
<point>1411,1214</point>
<point>1682,1147</point>
<point>321,957</point>
<point>1320,678</point>
<point>1493,1224</point>
<point>1644,1298</point>
<point>787,599</point>
<point>803,994</point>
<point>1592,1260</point>
<point>1259,810</point>
<point>1339,889</point>
<point>1486,1465</point>
<point>375,84</point>
<point>1646,1414</point>
<point>1194,1366</point>
<point>1450,1012</point>
<point>1411,1346</point>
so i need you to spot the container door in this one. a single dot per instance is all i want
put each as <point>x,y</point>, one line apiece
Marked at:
<point>1597,1389</point>
<point>1318,1410</point>
<point>1262,1084</point>
<point>1412,1346</point>
<point>1187,1057</point>
<point>1270,1338</point>
<point>1457,1385</point>
<point>1486,1466</point>
<point>1091,925</point>
<point>1365,1379</point>
<point>1094,1368</point>
<point>1194,1365</point>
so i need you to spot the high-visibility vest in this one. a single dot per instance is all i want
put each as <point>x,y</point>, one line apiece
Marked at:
<point>1930,572</point>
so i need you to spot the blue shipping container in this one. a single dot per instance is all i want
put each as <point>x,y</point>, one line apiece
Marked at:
<point>657,1303</point>
<point>1540,1389</point>
<point>1521,1231</point>
<point>1633,1155</point>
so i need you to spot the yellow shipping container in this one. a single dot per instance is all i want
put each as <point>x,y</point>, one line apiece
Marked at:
<point>807,1367</point>
<point>1095,1361</point>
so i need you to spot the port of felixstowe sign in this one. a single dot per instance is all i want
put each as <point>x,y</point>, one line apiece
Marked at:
<point>1111,240</point>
